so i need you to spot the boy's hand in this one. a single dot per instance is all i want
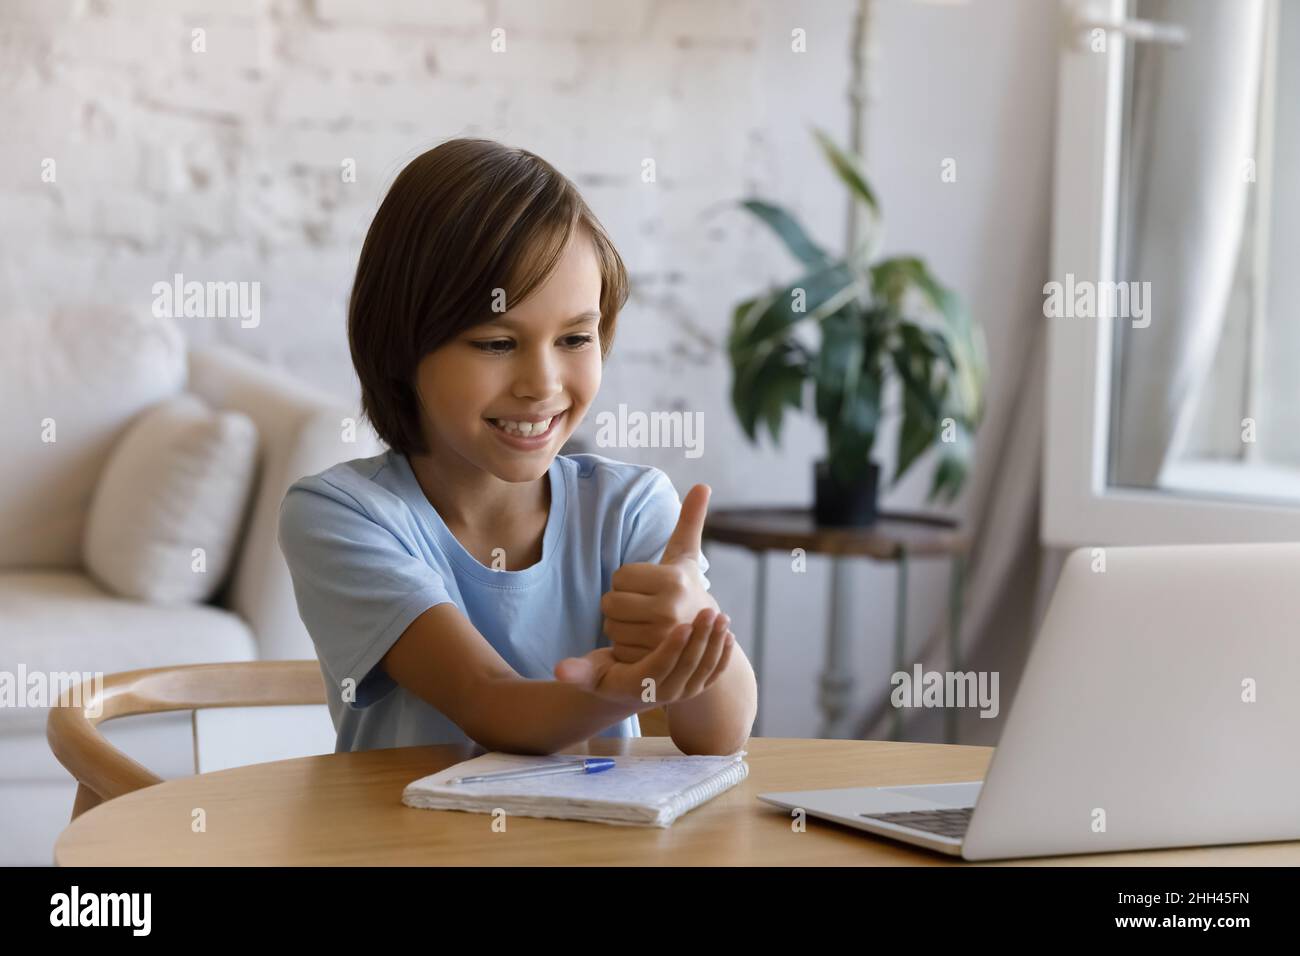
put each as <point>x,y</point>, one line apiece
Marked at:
<point>684,665</point>
<point>646,602</point>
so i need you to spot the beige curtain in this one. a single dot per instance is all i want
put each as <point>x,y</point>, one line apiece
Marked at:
<point>1193,124</point>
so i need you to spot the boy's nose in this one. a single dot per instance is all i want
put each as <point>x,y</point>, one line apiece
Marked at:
<point>538,377</point>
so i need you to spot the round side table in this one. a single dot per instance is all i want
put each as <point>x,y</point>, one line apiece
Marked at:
<point>896,537</point>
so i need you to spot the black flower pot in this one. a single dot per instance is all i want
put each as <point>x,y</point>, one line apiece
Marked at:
<point>845,505</point>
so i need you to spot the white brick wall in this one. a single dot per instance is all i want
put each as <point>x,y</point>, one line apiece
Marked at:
<point>171,160</point>
<point>224,165</point>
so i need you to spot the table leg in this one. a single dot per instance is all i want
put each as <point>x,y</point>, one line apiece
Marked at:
<point>900,638</point>
<point>951,731</point>
<point>760,616</point>
<point>837,678</point>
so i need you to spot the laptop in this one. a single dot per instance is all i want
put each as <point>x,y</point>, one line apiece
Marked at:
<point>1159,707</point>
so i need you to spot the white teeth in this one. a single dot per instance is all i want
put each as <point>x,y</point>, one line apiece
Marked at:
<point>525,429</point>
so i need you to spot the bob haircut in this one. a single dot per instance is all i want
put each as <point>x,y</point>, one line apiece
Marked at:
<point>462,220</point>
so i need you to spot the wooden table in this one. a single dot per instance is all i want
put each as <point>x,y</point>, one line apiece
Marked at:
<point>895,537</point>
<point>346,809</point>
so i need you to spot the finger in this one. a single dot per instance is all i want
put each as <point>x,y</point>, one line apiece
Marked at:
<point>659,663</point>
<point>689,660</point>
<point>631,608</point>
<point>584,671</point>
<point>709,662</point>
<point>627,654</point>
<point>574,670</point>
<point>640,578</point>
<point>644,636</point>
<point>688,536</point>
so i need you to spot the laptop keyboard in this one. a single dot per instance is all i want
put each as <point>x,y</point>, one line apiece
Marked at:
<point>949,823</point>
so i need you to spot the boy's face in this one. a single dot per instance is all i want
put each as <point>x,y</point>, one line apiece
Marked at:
<point>538,359</point>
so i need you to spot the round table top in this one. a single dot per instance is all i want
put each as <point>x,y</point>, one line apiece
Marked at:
<point>784,529</point>
<point>346,809</point>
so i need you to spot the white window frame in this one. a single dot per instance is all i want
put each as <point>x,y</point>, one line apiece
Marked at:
<point>1079,508</point>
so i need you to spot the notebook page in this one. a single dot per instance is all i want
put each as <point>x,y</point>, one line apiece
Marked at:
<point>650,781</point>
<point>638,790</point>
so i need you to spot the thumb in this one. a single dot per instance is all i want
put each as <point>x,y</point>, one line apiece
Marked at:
<point>687,536</point>
<point>576,670</point>
<point>583,671</point>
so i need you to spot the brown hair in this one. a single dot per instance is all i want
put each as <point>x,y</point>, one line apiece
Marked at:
<point>461,220</point>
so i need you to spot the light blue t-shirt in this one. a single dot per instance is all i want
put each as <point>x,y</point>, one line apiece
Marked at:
<point>368,554</point>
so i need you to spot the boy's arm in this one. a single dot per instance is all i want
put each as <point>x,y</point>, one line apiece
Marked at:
<point>717,721</point>
<point>443,659</point>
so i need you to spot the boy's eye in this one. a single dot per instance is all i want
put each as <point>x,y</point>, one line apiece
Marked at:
<point>501,346</point>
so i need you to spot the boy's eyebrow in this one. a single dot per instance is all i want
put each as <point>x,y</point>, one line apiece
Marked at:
<point>591,315</point>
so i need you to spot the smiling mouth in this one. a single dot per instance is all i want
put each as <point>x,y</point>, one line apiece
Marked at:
<point>537,432</point>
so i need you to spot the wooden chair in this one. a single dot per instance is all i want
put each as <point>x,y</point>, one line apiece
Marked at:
<point>103,772</point>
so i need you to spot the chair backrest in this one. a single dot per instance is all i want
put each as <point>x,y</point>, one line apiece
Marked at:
<point>103,772</point>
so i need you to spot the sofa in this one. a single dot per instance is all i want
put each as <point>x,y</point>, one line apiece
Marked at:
<point>92,377</point>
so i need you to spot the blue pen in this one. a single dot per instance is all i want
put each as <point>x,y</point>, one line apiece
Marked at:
<point>589,765</point>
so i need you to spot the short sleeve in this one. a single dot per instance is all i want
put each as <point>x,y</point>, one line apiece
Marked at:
<point>358,587</point>
<point>652,516</point>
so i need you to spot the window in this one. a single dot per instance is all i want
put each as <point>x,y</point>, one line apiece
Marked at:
<point>1172,387</point>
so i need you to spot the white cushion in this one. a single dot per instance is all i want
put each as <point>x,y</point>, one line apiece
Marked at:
<point>167,513</point>
<point>61,621</point>
<point>79,377</point>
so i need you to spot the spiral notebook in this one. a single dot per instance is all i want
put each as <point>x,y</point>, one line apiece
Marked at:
<point>638,791</point>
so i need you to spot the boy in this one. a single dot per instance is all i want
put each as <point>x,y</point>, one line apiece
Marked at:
<point>456,586</point>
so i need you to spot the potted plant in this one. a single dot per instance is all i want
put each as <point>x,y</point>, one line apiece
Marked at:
<point>878,319</point>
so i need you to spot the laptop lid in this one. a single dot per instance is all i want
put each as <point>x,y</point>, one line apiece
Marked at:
<point>1159,707</point>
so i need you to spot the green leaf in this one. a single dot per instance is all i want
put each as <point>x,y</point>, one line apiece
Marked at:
<point>962,339</point>
<point>789,230</point>
<point>759,324</point>
<point>848,453</point>
<point>763,387</point>
<point>971,374</point>
<point>848,386</point>
<point>954,464</point>
<point>850,169</point>
<point>784,387</point>
<point>860,410</point>
<point>743,317</point>
<point>914,363</point>
<point>891,279</point>
<point>841,344</point>
<point>916,433</point>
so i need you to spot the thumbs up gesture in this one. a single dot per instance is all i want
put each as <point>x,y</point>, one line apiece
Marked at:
<point>646,602</point>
